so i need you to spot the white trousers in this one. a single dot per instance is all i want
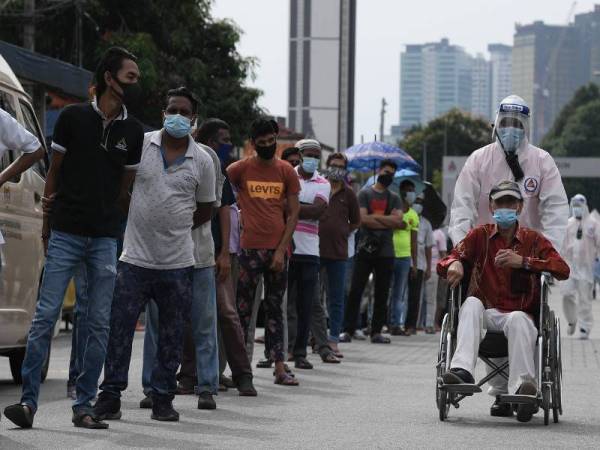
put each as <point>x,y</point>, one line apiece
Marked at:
<point>431,298</point>
<point>473,322</point>
<point>577,302</point>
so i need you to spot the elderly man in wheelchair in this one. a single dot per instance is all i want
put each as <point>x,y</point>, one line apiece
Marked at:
<point>504,296</point>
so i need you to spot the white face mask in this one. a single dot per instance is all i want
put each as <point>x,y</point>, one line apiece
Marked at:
<point>418,208</point>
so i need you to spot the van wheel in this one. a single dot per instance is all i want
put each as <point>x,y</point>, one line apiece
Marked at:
<point>16,365</point>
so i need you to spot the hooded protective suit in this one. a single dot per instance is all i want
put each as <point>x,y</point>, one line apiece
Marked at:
<point>545,206</point>
<point>580,249</point>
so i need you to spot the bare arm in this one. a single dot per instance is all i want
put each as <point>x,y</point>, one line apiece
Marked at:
<point>50,192</point>
<point>23,162</point>
<point>428,259</point>
<point>413,247</point>
<point>292,212</point>
<point>203,213</point>
<point>393,221</point>
<point>313,211</point>
<point>124,192</point>
<point>223,262</point>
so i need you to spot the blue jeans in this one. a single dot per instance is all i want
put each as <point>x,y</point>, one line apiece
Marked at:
<point>336,295</point>
<point>399,291</point>
<point>200,360</point>
<point>66,252</point>
<point>79,333</point>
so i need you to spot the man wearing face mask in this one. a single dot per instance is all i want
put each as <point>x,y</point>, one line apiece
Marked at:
<point>511,157</point>
<point>292,156</point>
<point>405,252</point>
<point>83,225</point>
<point>173,193</point>
<point>267,191</point>
<point>580,249</point>
<point>380,214</point>
<point>504,295</point>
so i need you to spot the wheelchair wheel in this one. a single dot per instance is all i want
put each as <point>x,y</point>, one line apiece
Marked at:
<point>556,367</point>
<point>442,399</point>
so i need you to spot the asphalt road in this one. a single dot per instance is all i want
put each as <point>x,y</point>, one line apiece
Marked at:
<point>379,397</point>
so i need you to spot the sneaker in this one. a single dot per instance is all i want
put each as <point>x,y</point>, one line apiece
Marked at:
<point>108,407</point>
<point>345,337</point>
<point>501,409</point>
<point>457,375</point>
<point>245,386</point>
<point>206,401</point>
<point>71,391</point>
<point>571,329</point>
<point>380,339</point>
<point>146,402</point>
<point>164,412</point>
<point>525,412</point>
<point>583,334</point>
<point>359,335</point>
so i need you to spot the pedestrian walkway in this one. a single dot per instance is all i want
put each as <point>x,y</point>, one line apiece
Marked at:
<point>379,397</point>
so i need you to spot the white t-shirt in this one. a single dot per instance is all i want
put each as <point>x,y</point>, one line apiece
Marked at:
<point>424,239</point>
<point>159,226</point>
<point>13,136</point>
<point>306,235</point>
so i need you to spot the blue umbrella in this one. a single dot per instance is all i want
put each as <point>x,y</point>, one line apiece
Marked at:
<point>366,157</point>
<point>399,177</point>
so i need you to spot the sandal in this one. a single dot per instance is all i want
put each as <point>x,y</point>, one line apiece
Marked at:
<point>303,363</point>
<point>285,379</point>
<point>287,370</point>
<point>20,415</point>
<point>330,358</point>
<point>86,420</point>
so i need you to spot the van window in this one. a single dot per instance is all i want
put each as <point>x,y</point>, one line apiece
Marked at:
<point>31,125</point>
<point>7,103</point>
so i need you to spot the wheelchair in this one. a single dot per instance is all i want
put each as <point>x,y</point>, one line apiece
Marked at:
<point>495,345</point>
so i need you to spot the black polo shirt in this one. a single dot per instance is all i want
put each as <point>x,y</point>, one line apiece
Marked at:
<point>96,153</point>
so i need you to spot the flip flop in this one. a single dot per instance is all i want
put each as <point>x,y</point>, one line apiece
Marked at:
<point>330,358</point>
<point>20,415</point>
<point>285,379</point>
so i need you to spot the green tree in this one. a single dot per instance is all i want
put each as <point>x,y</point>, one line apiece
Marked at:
<point>455,132</point>
<point>177,43</point>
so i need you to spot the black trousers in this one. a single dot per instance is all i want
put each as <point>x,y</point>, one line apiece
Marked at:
<point>415,285</point>
<point>383,269</point>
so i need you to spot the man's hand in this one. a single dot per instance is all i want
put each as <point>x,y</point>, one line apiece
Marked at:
<point>277,264</point>
<point>48,203</point>
<point>508,258</point>
<point>455,274</point>
<point>413,272</point>
<point>428,274</point>
<point>223,266</point>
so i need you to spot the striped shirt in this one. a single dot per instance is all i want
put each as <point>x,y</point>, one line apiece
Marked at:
<point>306,235</point>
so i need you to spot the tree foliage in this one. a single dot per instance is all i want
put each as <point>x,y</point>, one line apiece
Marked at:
<point>457,132</point>
<point>177,43</point>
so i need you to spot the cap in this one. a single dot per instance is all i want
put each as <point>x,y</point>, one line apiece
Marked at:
<point>506,188</point>
<point>304,144</point>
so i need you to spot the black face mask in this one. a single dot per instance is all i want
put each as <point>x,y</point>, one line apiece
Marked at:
<point>385,179</point>
<point>266,152</point>
<point>131,93</point>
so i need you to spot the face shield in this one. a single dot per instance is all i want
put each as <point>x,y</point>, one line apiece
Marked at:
<point>512,125</point>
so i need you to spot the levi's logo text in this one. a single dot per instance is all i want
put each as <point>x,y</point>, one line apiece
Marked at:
<point>265,189</point>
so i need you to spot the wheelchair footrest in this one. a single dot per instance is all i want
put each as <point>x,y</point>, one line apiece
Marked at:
<point>519,399</point>
<point>463,388</point>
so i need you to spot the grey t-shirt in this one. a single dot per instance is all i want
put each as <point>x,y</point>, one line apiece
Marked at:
<point>377,203</point>
<point>161,213</point>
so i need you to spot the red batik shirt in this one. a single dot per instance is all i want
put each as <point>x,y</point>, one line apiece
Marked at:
<point>506,289</point>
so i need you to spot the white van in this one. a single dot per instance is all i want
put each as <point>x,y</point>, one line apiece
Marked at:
<point>22,257</point>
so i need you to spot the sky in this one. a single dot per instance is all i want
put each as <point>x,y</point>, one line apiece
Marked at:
<point>383,28</point>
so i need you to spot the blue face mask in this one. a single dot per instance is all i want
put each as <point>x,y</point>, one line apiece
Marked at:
<point>505,217</point>
<point>177,125</point>
<point>309,165</point>
<point>224,153</point>
<point>511,138</point>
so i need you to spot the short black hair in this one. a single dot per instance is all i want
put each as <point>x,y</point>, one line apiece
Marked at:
<point>406,182</point>
<point>339,156</point>
<point>289,152</point>
<point>262,126</point>
<point>182,91</point>
<point>388,163</point>
<point>111,62</point>
<point>209,129</point>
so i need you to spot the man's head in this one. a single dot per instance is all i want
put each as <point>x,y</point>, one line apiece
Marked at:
<point>407,191</point>
<point>310,151</point>
<point>506,203</point>
<point>117,74</point>
<point>337,167</point>
<point>292,156</point>
<point>263,136</point>
<point>511,127</point>
<point>180,112</point>
<point>215,133</point>
<point>387,170</point>
<point>579,206</point>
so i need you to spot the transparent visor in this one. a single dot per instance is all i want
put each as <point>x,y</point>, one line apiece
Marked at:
<point>511,119</point>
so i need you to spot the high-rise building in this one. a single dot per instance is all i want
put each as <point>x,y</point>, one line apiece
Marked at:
<point>588,25</point>
<point>481,87</point>
<point>501,75</point>
<point>321,83</point>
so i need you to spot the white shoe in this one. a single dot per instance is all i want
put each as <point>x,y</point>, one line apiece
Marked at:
<point>571,329</point>
<point>583,334</point>
<point>359,335</point>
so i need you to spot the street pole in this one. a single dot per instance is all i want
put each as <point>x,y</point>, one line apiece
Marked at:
<point>382,119</point>
<point>424,161</point>
<point>29,27</point>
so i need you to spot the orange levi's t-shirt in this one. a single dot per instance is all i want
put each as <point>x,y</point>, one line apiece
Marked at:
<point>261,193</point>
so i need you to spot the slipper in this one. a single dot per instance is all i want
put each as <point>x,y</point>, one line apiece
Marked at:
<point>285,379</point>
<point>287,370</point>
<point>20,415</point>
<point>330,358</point>
<point>86,420</point>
